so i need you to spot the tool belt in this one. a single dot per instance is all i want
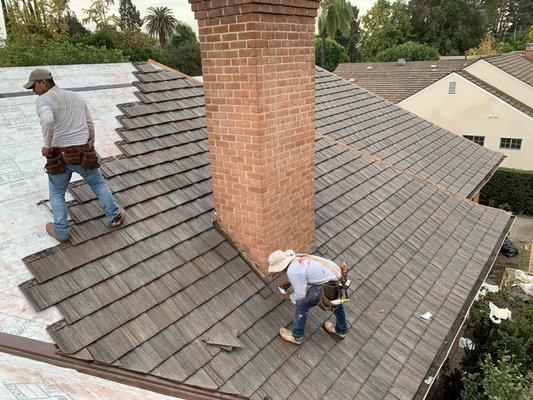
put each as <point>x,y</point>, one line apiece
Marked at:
<point>333,291</point>
<point>57,158</point>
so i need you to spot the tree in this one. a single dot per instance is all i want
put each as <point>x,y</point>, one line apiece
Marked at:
<point>351,42</point>
<point>75,27</point>
<point>130,17</point>
<point>335,53</point>
<point>452,26</point>
<point>160,23</point>
<point>335,15</point>
<point>182,52</point>
<point>488,47</point>
<point>98,12</point>
<point>43,17</point>
<point>385,25</point>
<point>409,51</point>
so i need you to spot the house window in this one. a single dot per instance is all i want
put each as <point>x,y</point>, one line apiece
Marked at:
<point>451,87</point>
<point>510,143</point>
<point>476,139</point>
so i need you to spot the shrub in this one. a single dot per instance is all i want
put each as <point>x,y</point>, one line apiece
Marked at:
<point>185,58</point>
<point>510,189</point>
<point>36,50</point>
<point>409,51</point>
<point>335,54</point>
<point>496,381</point>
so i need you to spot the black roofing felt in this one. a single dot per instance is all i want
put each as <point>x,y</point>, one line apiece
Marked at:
<point>151,295</point>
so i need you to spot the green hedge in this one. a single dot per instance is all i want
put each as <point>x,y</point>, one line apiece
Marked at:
<point>36,50</point>
<point>409,51</point>
<point>510,189</point>
<point>335,54</point>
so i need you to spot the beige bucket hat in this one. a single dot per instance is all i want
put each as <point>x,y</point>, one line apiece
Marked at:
<point>279,260</point>
<point>39,74</point>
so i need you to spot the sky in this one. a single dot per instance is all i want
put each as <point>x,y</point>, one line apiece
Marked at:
<point>181,8</point>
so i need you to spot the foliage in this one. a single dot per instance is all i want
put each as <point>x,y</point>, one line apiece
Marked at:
<point>335,16</point>
<point>186,58</point>
<point>42,17</point>
<point>385,25</point>
<point>38,50</point>
<point>488,47</point>
<point>409,51</point>
<point>74,25</point>
<point>98,13</point>
<point>182,33</point>
<point>136,45</point>
<point>452,26</point>
<point>496,381</point>
<point>335,53</point>
<point>509,188</point>
<point>513,337</point>
<point>508,20</point>
<point>130,17</point>
<point>351,42</point>
<point>160,23</point>
<point>182,52</point>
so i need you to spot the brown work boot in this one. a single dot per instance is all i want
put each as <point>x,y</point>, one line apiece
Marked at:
<point>330,328</point>
<point>119,219</point>
<point>287,335</point>
<point>49,227</point>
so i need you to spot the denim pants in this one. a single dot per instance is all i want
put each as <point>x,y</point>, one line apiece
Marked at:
<point>302,310</point>
<point>58,184</point>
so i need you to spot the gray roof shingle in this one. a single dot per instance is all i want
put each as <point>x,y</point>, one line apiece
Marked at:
<point>146,296</point>
<point>515,64</point>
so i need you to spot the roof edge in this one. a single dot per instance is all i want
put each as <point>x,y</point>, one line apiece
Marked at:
<point>47,352</point>
<point>453,336</point>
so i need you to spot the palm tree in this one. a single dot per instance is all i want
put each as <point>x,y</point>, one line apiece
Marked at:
<point>335,15</point>
<point>160,22</point>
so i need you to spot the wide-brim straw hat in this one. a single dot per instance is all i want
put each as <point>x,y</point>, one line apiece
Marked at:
<point>279,260</point>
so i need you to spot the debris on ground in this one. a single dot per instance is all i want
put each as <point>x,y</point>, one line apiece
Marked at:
<point>497,314</point>
<point>508,249</point>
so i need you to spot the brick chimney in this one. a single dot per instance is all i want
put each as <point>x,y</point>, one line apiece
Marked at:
<point>529,51</point>
<point>258,63</point>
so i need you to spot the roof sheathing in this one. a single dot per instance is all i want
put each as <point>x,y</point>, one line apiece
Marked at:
<point>143,296</point>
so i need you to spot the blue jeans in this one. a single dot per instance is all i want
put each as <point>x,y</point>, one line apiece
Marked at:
<point>58,184</point>
<point>302,310</point>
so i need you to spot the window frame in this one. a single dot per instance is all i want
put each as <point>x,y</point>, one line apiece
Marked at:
<point>473,138</point>
<point>452,84</point>
<point>511,143</point>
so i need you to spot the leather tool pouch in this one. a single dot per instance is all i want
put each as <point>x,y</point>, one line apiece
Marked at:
<point>72,154</point>
<point>330,291</point>
<point>89,158</point>
<point>55,164</point>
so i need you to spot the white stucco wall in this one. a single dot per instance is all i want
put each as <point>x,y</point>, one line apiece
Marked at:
<point>473,111</point>
<point>508,84</point>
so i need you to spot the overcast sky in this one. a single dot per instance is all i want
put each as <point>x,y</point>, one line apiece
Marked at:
<point>181,8</point>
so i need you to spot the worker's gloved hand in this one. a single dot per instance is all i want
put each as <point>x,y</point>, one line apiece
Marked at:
<point>286,297</point>
<point>46,151</point>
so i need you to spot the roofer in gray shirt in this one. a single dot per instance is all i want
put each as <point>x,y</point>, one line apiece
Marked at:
<point>68,133</point>
<point>307,274</point>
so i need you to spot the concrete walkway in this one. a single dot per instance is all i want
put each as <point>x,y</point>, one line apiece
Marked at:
<point>522,229</point>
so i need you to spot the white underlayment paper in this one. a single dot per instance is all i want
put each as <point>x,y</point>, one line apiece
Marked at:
<point>23,182</point>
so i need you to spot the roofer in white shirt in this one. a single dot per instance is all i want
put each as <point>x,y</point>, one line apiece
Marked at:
<point>68,133</point>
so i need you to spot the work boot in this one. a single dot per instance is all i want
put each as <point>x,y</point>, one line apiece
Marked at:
<point>287,335</point>
<point>330,328</point>
<point>49,227</point>
<point>118,219</point>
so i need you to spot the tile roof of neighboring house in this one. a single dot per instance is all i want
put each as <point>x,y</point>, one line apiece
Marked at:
<point>498,93</point>
<point>150,295</point>
<point>514,64</point>
<point>394,82</point>
<point>383,130</point>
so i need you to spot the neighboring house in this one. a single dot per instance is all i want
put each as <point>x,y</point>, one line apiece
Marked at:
<point>489,101</point>
<point>172,300</point>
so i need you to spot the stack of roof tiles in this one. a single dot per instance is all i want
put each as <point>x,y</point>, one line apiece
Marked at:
<point>390,201</point>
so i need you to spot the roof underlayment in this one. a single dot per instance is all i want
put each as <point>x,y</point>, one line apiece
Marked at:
<point>390,200</point>
<point>23,182</point>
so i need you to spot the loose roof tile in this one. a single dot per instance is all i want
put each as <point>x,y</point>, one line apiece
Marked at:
<point>145,296</point>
